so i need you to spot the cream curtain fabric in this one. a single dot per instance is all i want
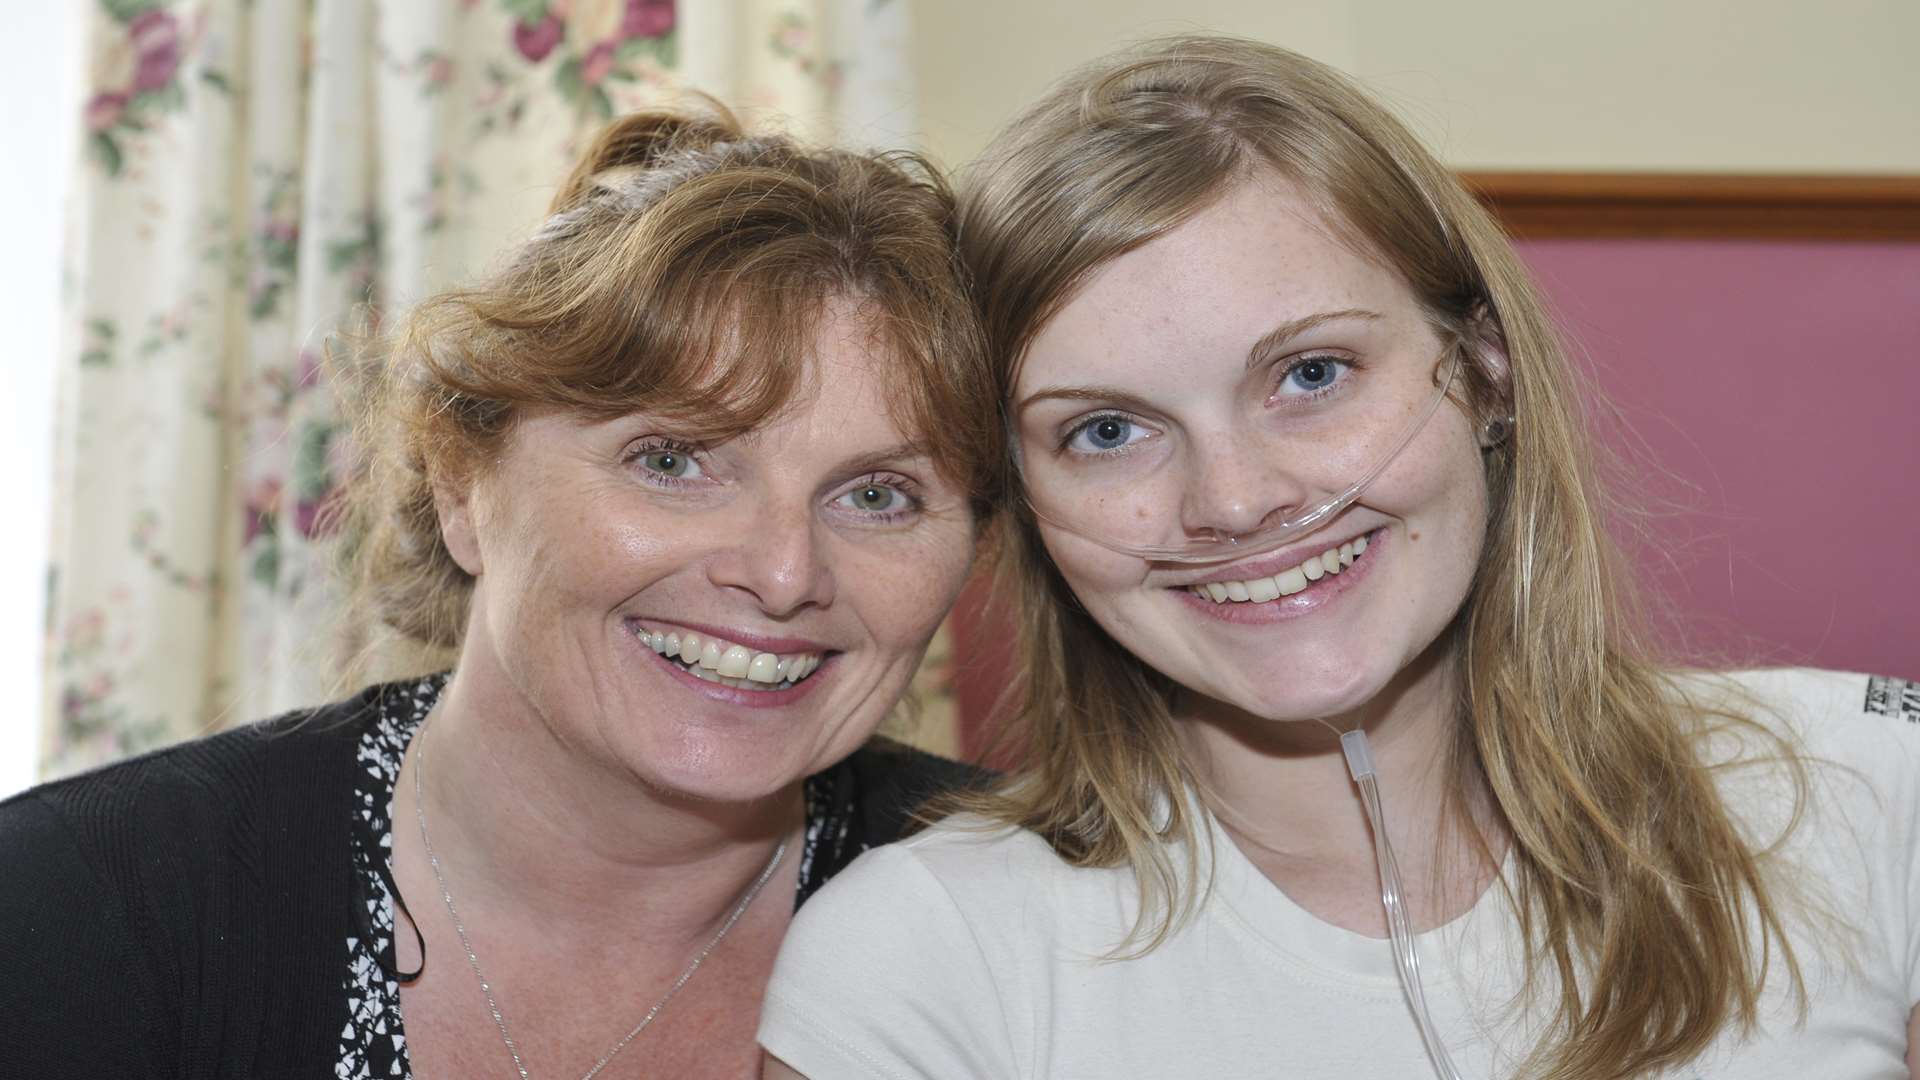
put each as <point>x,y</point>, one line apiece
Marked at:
<point>256,169</point>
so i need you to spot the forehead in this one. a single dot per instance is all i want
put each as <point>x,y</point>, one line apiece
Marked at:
<point>1259,256</point>
<point>851,382</point>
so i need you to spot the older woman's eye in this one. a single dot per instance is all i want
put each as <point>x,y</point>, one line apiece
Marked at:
<point>874,499</point>
<point>882,500</point>
<point>670,462</point>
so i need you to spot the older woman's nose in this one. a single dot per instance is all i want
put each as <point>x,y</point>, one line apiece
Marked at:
<point>781,558</point>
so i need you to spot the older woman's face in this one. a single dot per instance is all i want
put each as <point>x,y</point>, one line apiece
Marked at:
<point>719,620</point>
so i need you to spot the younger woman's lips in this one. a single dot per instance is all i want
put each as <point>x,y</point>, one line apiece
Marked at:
<point>1316,597</point>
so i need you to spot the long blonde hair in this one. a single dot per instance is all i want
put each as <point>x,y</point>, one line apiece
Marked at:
<point>1634,885</point>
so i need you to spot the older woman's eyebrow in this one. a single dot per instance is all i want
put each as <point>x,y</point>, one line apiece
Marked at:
<point>905,453</point>
<point>1292,328</point>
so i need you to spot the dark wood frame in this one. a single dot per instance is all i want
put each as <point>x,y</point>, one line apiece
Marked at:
<point>1547,205</point>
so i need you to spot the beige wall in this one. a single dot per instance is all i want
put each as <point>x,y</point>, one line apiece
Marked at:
<point>1687,85</point>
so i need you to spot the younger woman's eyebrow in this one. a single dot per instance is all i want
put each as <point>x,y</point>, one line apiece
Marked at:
<point>1106,395</point>
<point>1293,328</point>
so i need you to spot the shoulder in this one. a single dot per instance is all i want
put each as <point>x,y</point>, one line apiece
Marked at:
<point>999,889</point>
<point>869,799</point>
<point>143,826</point>
<point>1859,721</point>
<point>140,892</point>
<point>913,961</point>
<point>1850,813</point>
<point>218,776</point>
<point>891,780</point>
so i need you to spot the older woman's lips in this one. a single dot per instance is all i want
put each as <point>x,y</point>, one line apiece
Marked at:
<point>722,661</point>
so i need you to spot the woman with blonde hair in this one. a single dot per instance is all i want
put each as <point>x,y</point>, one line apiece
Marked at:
<point>676,491</point>
<point>1345,755</point>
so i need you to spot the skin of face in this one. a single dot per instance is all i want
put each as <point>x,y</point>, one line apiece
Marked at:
<point>823,529</point>
<point>1179,326</point>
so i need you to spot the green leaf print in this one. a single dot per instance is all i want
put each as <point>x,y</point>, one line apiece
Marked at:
<point>664,50</point>
<point>566,78</point>
<point>531,11</point>
<point>97,347</point>
<point>311,475</point>
<point>127,10</point>
<point>106,152</point>
<point>265,567</point>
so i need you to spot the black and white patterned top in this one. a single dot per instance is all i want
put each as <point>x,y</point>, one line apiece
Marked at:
<point>863,801</point>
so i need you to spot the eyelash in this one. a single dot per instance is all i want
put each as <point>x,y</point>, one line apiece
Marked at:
<point>1294,364</point>
<point>1072,433</point>
<point>1344,364</point>
<point>657,444</point>
<point>908,490</point>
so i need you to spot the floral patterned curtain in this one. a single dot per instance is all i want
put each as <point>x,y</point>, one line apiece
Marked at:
<point>257,169</point>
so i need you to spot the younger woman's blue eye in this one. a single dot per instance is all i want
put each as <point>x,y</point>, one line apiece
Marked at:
<point>1104,433</point>
<point>1311,374</point>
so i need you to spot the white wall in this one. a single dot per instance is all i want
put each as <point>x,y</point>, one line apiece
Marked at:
<point>1674,85</point>
<point>40,84</point>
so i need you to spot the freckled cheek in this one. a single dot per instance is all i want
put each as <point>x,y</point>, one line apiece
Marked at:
<point>1091,570</point>
<point>903,596</point>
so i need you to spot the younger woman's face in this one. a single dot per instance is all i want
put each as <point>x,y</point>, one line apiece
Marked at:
<point>1187,369</point>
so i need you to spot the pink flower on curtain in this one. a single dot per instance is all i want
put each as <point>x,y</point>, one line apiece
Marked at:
<point>647,19</point>
<point>105,110</point>
<point>535,40</point>
<point>596,65</point>
<point>156,42</point>
<point>306,516</point>
<point>262,506</point>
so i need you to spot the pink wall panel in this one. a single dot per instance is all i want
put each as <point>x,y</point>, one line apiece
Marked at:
<point>1769,418</point>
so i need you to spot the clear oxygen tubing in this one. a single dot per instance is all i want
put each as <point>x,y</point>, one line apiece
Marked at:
<point>1406,953</point>
<point>1271,537</point>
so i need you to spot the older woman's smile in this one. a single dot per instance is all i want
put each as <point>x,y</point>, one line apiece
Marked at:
<point>739,660</point>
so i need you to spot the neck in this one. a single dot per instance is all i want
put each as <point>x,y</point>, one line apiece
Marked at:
<point>522,821</point>
<point>1283,791</point>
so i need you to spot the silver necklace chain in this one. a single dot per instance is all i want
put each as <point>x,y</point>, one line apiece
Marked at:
<point>473,961</point>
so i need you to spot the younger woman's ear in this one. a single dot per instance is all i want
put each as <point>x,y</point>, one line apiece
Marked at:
<point>1489,345</point>
<point>453,504</point>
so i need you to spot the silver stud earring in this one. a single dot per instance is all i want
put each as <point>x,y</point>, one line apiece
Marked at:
<point>1495,431</point>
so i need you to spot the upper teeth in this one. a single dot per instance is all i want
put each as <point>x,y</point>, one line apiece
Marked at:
<point>1286,582</point>
<point>717,659</point>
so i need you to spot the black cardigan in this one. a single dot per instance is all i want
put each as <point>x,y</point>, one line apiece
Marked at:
<point>183,914</point>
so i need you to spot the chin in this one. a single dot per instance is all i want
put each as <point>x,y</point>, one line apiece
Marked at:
<point>701,767</point>
<point>1326,694</point>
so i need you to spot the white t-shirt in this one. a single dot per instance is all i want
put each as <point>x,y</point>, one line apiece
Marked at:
<point>962,953</point>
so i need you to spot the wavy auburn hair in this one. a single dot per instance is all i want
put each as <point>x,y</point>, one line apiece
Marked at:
<point>683,274</point>
<point>1635,888</point>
